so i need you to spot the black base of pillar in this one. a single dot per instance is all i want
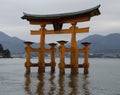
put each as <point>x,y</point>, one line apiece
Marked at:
<point>74,71</point>
<point>62,71</point>
<point>41,70</point>
<point>86,68</point>
<point>86,71</point>
<point>27,70</point>
<point>52,70</point>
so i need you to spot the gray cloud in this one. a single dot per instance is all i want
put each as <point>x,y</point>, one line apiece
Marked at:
<point>12,10</point>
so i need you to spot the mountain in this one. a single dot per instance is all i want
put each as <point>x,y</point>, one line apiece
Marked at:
<point>103,44</point>
<point>99,44</point>
<point>14,44</point>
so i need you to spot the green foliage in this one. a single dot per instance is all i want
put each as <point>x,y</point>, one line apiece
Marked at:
<point>1,48</point>
<point>4,53</point>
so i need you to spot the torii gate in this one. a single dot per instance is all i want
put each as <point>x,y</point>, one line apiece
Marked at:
<point>57,20</point>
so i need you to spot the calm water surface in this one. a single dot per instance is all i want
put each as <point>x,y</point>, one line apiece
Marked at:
<point>103,79</point>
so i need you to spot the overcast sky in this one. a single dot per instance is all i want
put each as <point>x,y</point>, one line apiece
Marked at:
<point>11,12</point>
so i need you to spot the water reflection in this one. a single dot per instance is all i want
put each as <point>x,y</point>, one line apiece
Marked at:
<point>73,84</point>
<point>51,84</point>
<point>61,84</point>
<point>27,84</point>
<point>40,87</point>
<point>85,85</point>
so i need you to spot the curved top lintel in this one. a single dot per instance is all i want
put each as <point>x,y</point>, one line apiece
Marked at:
<point>62,16</point>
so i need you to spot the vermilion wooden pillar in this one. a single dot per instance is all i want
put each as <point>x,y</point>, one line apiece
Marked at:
<point>62,56</point>
<point>28,51</point>
<point>74,50</point>
<point>41,56</point>
<point>52,54</point>
<point>86,55</point>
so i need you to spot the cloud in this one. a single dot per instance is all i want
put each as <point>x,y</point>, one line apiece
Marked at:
<point>12,10</point>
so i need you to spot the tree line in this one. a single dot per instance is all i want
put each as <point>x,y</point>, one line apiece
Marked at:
<point>4,53</point>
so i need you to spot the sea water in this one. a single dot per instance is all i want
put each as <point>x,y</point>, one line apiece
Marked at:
<point>103,79</point>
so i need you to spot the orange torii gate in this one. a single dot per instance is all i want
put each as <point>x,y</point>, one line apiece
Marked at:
<point>57,20</point>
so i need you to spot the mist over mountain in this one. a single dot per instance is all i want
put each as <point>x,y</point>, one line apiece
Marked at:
<point>99,43</point>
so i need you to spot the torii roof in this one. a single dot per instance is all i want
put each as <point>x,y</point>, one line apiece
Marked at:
<point>50,18</point>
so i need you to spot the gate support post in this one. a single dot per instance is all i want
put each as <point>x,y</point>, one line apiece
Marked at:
<point>74,50</point>
<point>41,57</point>
<point>28,50</point>
<point>86,54</point>
<point>62,56</point>
<point>53,50</point>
